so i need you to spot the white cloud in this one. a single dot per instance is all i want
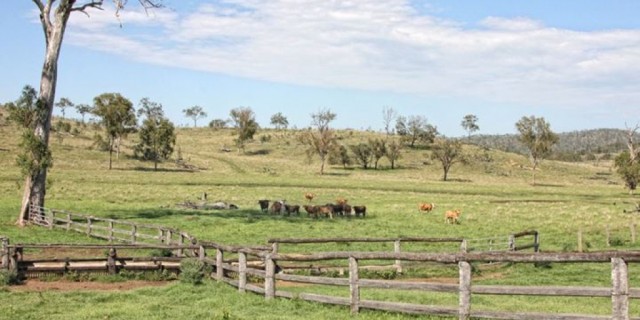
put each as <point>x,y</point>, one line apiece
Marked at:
<point>379,45</point>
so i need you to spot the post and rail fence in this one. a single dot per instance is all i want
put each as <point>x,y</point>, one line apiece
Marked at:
<point>242,273</point>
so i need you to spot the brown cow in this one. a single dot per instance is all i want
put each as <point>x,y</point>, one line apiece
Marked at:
<point>292,208</point>
<point>360,210</point>
<point>452,216</point>
<point>326,210</point>
<point>277,207</point>
<point>427,207</point>
<point>311,210</point>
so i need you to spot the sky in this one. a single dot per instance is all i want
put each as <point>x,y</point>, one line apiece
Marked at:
<point>574,62</point>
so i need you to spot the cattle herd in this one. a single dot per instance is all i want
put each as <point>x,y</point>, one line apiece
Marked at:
<point>338,209</point>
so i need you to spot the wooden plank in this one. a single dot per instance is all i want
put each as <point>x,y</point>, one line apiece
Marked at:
<point>406,285</point>
<point>543,291</point>
<point>242,272</point>
<point>269,278</point>
<point>324,299</point>
<point>534,316</point>
<point>314,280</point>
<point>363,240</point>
<point>408,308</point>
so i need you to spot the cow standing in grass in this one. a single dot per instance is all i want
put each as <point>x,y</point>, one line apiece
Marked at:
<point>264,205</point>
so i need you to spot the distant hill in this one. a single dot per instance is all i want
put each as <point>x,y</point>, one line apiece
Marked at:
<point>572,146</point>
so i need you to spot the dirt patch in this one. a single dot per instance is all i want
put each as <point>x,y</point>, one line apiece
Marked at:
<point>40,286</point>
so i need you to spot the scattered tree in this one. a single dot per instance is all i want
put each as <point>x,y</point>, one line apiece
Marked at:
<point>83,109</point>
<point>245,124</point>
<point>378,150</point>
<point>149,109</point>
<point>393,152</point>
<point>63,104</point>
<point>448,152</point>
<point>320,139</point>
<point>340,155</point>
<point>362,154</point>
<point>536,135</point>
<point>217,124</point>
<point>117,117</point>
<point>627,163</point>
<point>279,121</point>
<point>470,124</point>
<point>194,113</point>
<point>54,20</point>
<point>388,114</point>
<point>23,111</point>
<point>157,140</point>
<point>415,129</point>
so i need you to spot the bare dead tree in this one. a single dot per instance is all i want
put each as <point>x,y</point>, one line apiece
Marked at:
<point>54,16</point>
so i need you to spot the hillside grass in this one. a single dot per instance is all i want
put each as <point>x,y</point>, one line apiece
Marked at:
<point>494,195</point>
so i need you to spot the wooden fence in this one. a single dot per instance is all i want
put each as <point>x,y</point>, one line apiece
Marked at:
<point>620,293</point>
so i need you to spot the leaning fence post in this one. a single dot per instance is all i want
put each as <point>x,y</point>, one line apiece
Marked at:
<point>5,253</point>
<point>354,286</point>
<point>269,278</point>
<point>219,266</point>
<point>620,292</point>
<point>396,249</point>
<point>464,308</point>
<point>111,261</point>
<point>242,272</point>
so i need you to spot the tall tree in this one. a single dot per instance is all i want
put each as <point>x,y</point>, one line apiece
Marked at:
<point>470,124</point>
<point>63,104</point>
<point>157,140</point>
<point>448,152</point>
<point>53,19</point>
<point>362,154</point>
<point>149,109</point>
<point>340,155</point>
<point>195,113</point>
<point>117,116</point>
<point>244,121</point>
<point>393,152</point>
<point>83,109</point>
<point>388,114</point>
<point>279,121</point>
<point>320,139</point>
<point>536,135</point>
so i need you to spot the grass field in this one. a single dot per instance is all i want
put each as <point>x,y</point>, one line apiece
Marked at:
<point>494,195</point>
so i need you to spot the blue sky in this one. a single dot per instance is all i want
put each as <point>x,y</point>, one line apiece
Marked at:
<point>576,63</point>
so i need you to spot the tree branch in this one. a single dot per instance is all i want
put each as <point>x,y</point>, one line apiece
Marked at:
<point>96,4</point>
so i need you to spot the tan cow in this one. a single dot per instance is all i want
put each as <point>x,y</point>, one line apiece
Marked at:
<point>452,216</point>
<point>427,207</point>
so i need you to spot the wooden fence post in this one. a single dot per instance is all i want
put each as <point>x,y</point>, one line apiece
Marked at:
<point>219,262</point>
<point>274,248</point>
<point>512,243</point>
<point>620,292</point>
<point>354,287</point>
<point>68,221</point>
<point>134,231</point>
<point>242,272</point>
<point>464,309</point>
<point>580,240</point>
<point>160,235</point>
<point>269,278</point>
<point>110,231</point>
<point>5,253</point>
<point>52,219</point>
<point>202,253</point>
<point>181,242</point>
<point>608,233</point>
<point>89,226</point>
<point>632,228</point>
<point>536,242</point>
<point>111,261</point>
<point>464,246</point>
<point>396,249</point>
<point>168,235</point>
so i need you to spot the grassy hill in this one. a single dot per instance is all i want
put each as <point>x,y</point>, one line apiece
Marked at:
<point>493,192</point>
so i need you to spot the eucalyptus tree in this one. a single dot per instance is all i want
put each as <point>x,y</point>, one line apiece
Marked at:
<point>279,121</point>
<point>244,122</point>
<point>63,104</point>
<point>537,136</point>
<point>54,16</point>
<point>470,124</point>
<point>83,110</point>
<point>117,117</point>
<point>194,113</point>
<point>448,152</point>
<point>320,138</point>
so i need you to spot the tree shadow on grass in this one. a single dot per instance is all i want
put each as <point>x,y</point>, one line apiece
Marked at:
<point>150,169</point>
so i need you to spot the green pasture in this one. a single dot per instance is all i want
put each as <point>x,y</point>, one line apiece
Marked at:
<point>493,192</point>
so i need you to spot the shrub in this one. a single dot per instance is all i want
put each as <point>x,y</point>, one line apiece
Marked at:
<point>193,271</point>
<point>8,278</point>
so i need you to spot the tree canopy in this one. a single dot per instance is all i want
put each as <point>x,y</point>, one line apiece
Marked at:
<point>536,135</point>
<point>244,122</point>
<point>320,139</point>
<point>195,113</point>
<point>117,117</point>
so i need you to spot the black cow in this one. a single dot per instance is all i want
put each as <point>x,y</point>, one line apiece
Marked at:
<point>264,205</point>
<point>360,210</point>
